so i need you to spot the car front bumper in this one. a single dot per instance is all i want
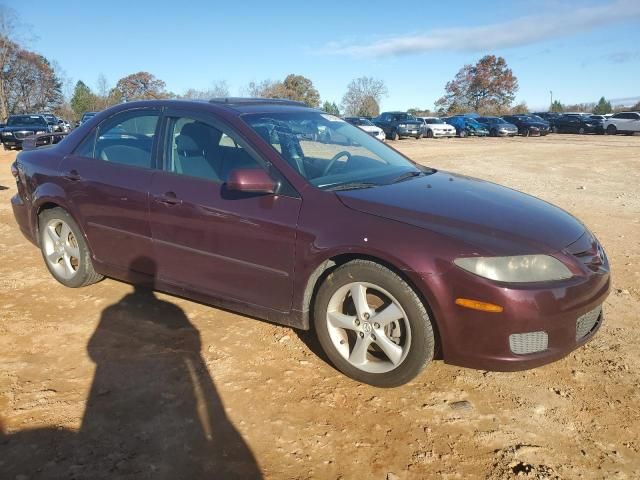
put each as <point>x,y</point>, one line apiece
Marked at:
<point>410,131</point>
<point>444,133</point>
<point>507,133</point>
<point>554,313</point>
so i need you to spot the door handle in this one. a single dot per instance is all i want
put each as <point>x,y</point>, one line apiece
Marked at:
<point>73,175</point>
<point>168,198</point>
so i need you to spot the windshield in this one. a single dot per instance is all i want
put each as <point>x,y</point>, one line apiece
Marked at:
<point>87,116</point>
<point>432,121</point>
<point>362,122</point>
<point>26,120</point>
<point>474,123</point>
<point>328,151</point>
<point>403,117</point>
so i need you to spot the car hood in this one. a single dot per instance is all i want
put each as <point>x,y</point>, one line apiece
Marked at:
<point>369,128</point>
<point>487,216</point>
<point>440,126</point>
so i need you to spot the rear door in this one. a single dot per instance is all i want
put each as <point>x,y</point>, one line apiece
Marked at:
<point>211,240</point>
<point>107,179</point>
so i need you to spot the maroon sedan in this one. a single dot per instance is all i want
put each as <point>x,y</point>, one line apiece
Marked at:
<point>286,213</point>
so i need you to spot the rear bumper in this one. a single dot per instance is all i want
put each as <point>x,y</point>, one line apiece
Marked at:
<point>21,214</point>
<point>481,340</point>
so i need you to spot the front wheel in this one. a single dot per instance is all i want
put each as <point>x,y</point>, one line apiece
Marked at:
<point>611,130</point>
<point>372,325</point>
<point>395,136</point>
<point>429,134</point>
<point>463,133</point>
<point>581,130</point>
<point>64,249</point>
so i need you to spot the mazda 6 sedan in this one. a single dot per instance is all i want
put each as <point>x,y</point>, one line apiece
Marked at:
<point>234,203</point>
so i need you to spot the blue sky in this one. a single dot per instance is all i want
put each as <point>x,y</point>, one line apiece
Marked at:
<point>579,49</point>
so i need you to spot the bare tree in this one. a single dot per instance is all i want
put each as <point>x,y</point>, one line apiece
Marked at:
<point>363,96</point>
<point>218,89</point>
<point>8,49</point>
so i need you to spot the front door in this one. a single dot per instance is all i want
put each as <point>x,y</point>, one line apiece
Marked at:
<point>210,240</point>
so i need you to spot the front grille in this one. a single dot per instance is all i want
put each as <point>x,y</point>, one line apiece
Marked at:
<point>588,322</point>
<point>524,343</point>
<point>22,134</point>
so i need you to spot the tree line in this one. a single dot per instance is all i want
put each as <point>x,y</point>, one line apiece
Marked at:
<point>31,83</point>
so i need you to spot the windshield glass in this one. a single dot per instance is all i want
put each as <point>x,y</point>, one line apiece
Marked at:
<point>26,120</point>
<point>402,117</point>
<point>433,120</point>
<point>328,151</point>
<point>473,123</point>
<point>362,122</point>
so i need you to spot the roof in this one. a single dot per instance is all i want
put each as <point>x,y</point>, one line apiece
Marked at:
<point>255,101</point>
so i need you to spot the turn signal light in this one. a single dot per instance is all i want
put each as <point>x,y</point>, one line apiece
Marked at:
<point>477,305</point>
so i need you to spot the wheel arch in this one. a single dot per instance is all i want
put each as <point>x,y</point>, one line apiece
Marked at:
<point>48,204</point>
<point>314,281</point>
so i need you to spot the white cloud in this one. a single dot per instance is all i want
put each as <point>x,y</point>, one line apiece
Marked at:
<point>513,33</point>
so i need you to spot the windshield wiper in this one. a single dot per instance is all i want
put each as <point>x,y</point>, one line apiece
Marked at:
<point>406,176</point>
<point>351,186</point>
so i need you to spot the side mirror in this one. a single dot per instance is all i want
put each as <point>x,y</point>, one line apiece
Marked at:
<point>251,180</point>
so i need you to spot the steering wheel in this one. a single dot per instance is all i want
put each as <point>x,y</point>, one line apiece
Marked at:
<point>335,158</point>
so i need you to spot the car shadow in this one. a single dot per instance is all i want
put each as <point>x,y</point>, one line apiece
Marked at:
<point>2,187</point>
<point>152,411</point>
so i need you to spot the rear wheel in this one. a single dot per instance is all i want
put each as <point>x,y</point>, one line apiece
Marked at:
<point>372,325</point>
<point>64,249</point>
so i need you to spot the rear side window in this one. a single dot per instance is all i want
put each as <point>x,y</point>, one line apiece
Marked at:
<point>126,138</point>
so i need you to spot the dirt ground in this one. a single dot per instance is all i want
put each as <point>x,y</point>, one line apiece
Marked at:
<point>107,382</point>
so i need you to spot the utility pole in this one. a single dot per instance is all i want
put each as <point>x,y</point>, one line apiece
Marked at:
<point>551,93</point>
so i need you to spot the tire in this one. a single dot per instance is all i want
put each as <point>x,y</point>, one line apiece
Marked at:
<point>429,133</point>
<point>611,130</point>
<point>526,132</point>
<point>463,133</point>
<point>493,132</point>
<point>395,136</point>
<point>344,330</point>
<point>581,131</point>
<point>66,255</point>
<point>419,136</point>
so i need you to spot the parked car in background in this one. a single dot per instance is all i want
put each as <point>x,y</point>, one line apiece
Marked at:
<point>577,123</point>
<point>367,125</point>
<point>52,121</point>
<point>20,127</point>
<point>387,261</point>
<point>498,127</point>
<point>64,125</point>
<point>467,126</point>
<point>623,122</point>
<point>399,124</point>
<point>86,116</point>
<point>434,127</point>
<point>547,116</point>
<point>527,125</point>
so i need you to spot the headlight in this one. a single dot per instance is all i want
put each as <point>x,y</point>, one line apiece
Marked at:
<point>402,125</point>
<point>7,134</point>
<point>521,268</point>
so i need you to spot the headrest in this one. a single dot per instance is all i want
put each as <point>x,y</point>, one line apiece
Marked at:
<point>186,143</point>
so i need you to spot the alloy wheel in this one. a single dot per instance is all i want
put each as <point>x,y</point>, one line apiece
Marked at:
<point>61,249</point>
<point>368,327</point>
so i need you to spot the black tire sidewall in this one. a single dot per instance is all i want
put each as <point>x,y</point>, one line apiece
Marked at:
<point>421,349</point>
<point>85,271</point>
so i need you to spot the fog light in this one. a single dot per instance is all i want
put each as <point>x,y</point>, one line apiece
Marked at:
<point>478,305</point>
